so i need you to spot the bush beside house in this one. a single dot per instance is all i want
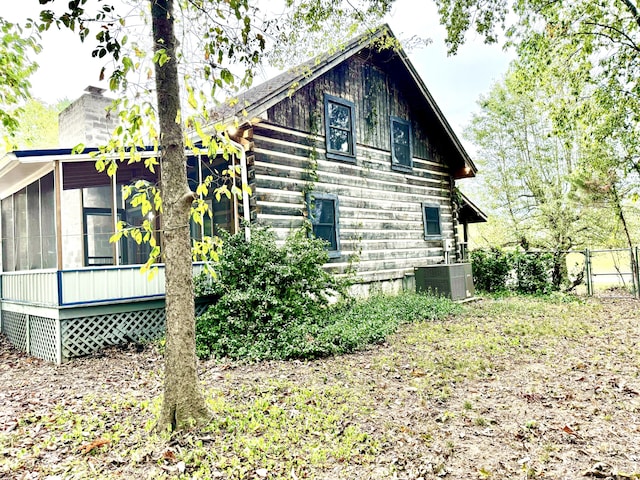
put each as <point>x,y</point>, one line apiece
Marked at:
<point>277,302</point>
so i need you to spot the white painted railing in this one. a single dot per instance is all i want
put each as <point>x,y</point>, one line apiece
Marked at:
<point>83,286</point>
<point>34,287</point>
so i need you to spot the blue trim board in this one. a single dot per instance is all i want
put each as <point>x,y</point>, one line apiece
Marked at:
<point>59,284</point>
<point>62,151</point>
<point>111,301</point>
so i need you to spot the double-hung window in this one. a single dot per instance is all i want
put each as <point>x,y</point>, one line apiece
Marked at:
<point>340,131</point>
<point>323,214</point>
<point>401,151</point>
<point>431,219</point>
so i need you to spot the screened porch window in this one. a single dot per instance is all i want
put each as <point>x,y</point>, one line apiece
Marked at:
<point>28,227</point>
<point>98,209</point>
<point>221,213</point>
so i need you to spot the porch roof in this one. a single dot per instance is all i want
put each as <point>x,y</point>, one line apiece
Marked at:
<point>469,212</point>
<point>22,167</point>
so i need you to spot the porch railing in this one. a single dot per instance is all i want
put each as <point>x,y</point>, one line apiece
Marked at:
<point>85,286</point>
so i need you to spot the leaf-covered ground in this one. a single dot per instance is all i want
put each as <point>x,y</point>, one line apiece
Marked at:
<point>511,388</point>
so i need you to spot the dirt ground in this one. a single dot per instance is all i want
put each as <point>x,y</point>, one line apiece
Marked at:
<point>561,401</point>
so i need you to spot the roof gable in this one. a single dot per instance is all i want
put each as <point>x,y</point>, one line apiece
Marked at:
<point>254,102</point>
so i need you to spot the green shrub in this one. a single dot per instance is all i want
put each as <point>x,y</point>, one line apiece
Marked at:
<point>533,272</point>
<point>262,294</point>
<point>495,270</point>
<point>272,303</point>
<point>491,269</point>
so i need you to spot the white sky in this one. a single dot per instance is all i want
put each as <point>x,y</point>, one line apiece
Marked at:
<point>66,66</point>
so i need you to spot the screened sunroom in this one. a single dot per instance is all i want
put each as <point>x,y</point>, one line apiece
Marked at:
<point>65,289</point>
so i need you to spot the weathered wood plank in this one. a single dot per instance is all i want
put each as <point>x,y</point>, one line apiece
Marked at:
<point>302,144</point>
<point>342,175</point>
<point>358,192</point>
<point>356,244</point>
<point>298,157</point>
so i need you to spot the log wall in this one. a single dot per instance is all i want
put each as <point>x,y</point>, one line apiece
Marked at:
<point>380,210</point>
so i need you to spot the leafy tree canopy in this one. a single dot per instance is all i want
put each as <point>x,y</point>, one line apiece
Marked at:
<point>17,45</point>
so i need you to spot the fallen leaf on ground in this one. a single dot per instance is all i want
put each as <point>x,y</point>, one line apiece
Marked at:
<point>99,442</point>
<point>169,455</point>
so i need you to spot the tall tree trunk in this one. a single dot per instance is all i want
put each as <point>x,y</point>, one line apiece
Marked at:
<point>183,403</point>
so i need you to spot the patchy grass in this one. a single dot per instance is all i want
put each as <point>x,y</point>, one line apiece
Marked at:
<point>510,387</point>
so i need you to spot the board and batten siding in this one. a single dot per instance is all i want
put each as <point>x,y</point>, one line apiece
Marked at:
<point>380,210</point>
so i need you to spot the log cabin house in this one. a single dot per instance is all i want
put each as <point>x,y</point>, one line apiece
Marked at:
<point>354,143</point>
<point>351,144</point>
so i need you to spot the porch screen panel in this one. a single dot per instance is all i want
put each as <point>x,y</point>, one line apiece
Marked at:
<point>132,253</point>
<point>8,245</point>
<point>48,221</point>
<point>21,232</point>
<point>33,226</point>
<point>193,177</point>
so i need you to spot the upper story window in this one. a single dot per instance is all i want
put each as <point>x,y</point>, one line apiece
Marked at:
<point>401,152</point>
<point>340,127</point>
<point>323,213</point>
<point>431,218</point>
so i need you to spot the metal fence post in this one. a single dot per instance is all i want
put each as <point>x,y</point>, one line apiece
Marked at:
<point>587,264</point>
<point>634,283</point>
<point>636,257</point>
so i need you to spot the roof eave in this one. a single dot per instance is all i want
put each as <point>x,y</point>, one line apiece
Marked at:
<point>469,170</point>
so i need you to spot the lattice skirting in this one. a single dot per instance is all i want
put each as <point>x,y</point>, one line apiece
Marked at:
<point>32,334</point>
<point>85,335</point>
<point>43,338</point>
<point>60,340</point>
<point>14,326</point>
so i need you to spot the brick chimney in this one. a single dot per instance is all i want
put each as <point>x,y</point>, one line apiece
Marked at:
<point>86,120</point>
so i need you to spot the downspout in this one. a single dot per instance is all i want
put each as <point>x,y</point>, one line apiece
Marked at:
<point>245,195</point>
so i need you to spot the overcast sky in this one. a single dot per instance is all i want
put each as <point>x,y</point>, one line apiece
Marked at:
<point>66,66</point>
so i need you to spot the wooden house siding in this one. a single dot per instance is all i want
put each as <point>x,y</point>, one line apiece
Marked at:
<point>380,210</point>
<point>379,190</point>
<point>376,97</point>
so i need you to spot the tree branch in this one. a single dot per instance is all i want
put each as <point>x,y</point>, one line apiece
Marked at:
<point>631,43</point>
<point>633,9</point>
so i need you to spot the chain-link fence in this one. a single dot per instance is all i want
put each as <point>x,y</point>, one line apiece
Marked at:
<point>605,272</point>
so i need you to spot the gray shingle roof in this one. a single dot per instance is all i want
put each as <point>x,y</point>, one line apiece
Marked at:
<point>257,99</point>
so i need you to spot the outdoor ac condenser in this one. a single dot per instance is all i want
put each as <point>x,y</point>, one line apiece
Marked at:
<point>452,280</point>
